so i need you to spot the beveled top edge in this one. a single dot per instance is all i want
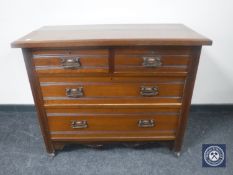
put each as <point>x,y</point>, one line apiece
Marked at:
<point>111,35</point>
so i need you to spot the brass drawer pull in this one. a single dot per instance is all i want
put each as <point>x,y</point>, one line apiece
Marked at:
<point>152,61</point>
<point>74,93</point>
<point>149,91</point>
<point>71,63</point>
<point>146,123</point>
<point>79,124</point>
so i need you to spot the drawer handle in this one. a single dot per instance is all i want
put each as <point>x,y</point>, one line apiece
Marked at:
<point>149,91</point>
<point>74,93</point>
<point>71,63</point>
<point>146,123</point>
<point>154,61</point>
<point>79,124</point>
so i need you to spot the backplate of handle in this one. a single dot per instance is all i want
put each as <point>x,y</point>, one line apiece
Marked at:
<point>74,92</point>
<point>152,61</point>
<point>78,124</point>
<point>71,63</point>
<point>149,91</point>
<point>146,123</point>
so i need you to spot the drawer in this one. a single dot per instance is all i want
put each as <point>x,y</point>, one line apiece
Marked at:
<point>71,61</point>
<point>152,60</point>
<point>112,91</point>
<point>115,125</point>
<point>72,90</point>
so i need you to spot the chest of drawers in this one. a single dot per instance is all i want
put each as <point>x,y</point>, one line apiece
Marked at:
<point>112,83</point>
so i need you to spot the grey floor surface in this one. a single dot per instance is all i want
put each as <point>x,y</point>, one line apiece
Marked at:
<point>22,150</point>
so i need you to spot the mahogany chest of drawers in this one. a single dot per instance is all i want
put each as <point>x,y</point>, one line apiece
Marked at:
<point>112,83</point>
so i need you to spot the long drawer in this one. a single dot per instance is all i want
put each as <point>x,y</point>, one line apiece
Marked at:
<point>113,125</point>
<point>103,90</point>
<point>71,61</point>
<point>112,91</point>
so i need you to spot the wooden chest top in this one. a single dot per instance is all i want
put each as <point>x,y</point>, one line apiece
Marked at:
<point>112,35</point>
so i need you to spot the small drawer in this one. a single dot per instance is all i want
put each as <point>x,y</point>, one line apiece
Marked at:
<point>71,61</point>
<point>152,60</point>
<point>107,125</point>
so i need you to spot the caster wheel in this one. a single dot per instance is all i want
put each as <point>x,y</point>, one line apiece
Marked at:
<point>177,154</point>
<point>51,155</point>
<point>95,146</point>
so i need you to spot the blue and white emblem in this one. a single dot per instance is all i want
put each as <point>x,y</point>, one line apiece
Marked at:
<point>213,155</point>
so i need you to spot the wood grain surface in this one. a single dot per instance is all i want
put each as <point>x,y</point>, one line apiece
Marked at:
<point>112,35</point>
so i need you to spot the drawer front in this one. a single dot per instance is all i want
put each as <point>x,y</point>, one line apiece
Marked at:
<point>152,60</point>
<point>70,61</point>
<point>113,91</point>
<point>113,124</point>
<point>106,90</point>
